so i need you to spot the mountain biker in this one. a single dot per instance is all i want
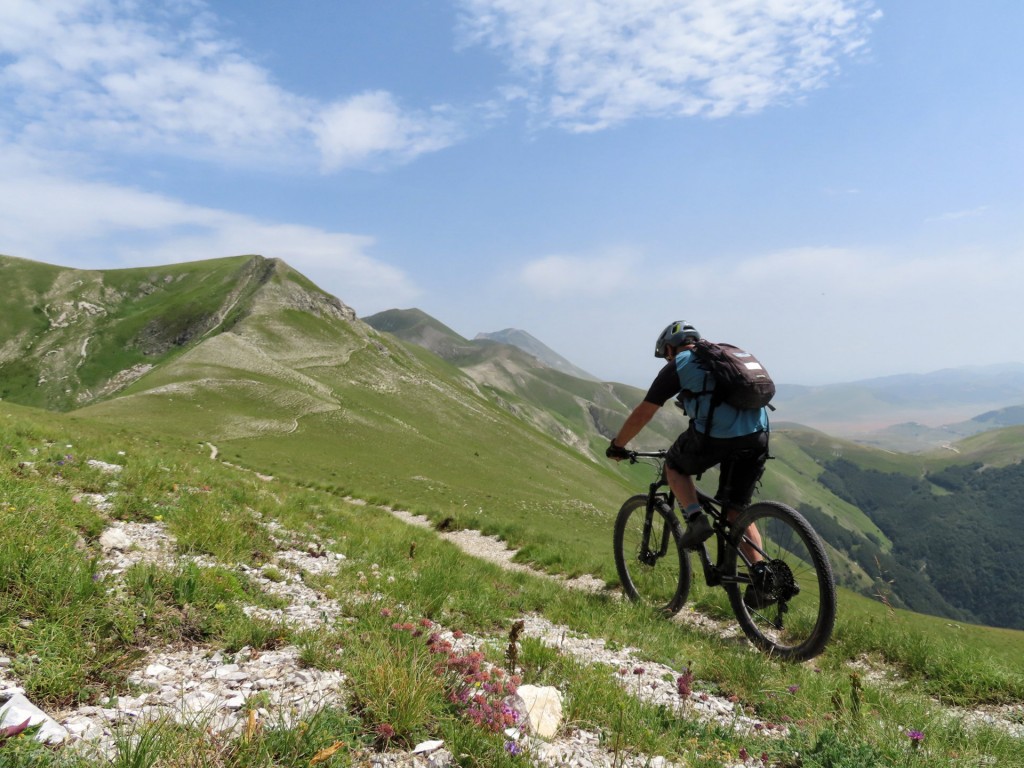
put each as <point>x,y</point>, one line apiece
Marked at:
<point>737,440</point>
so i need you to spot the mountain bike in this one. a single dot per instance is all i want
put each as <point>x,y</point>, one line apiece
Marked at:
<point>782,591</point>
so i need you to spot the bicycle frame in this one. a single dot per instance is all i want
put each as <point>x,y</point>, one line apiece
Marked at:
<point>713,570</point>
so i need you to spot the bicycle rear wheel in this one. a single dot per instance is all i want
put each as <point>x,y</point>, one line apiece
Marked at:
<point>653,568</point>
<point>788,606</point>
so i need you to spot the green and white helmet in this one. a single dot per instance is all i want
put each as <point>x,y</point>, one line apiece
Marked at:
<point>675,335</point>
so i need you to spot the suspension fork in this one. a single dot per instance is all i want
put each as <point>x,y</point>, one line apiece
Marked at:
<point>654,498</point>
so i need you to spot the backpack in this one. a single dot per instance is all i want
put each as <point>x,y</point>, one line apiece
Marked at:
<point>740,379</point>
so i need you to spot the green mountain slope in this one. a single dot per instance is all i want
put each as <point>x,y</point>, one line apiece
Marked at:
<point>248,358</point>
<point>580,412</point>
<point>70,337</point>
<point>298,387</point>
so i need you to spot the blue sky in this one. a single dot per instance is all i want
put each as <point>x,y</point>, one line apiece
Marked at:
<point>836,184</point>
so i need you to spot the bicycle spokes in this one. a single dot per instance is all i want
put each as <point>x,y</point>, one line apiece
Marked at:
<point>652,567</point>
<point>788,606</point>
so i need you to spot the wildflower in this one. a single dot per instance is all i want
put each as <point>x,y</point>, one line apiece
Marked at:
<point>638,670</point>
<point>385,612</point>
<point>743,755</point>
<point>684,683</point>
<point>512,747</point>
<point>916,737</point>
<point>793,688</point>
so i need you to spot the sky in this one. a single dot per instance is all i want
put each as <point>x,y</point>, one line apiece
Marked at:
<point>836,185</point>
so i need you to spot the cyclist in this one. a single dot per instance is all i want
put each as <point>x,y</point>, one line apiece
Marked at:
<point>737,440</point>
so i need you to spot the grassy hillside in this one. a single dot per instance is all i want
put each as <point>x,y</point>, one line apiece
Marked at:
<point>72,638</point>
<point>248,358</point>
<point>580,412</point>
<point>285,382</point>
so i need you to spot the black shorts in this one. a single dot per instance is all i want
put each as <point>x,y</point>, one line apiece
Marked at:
<point>741,461</point>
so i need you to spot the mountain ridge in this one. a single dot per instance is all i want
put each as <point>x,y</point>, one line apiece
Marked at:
<point>533,346</point>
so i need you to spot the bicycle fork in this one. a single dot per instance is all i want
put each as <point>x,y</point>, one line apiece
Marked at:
<point>663,503</point>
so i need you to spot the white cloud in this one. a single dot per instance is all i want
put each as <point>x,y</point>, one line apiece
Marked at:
<point>371,124</point>
<point>596,63</point>
<point>579,276</point>
<point>119,75</point>
<point>61,220</point>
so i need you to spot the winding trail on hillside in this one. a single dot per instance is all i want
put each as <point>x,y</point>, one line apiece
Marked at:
<point>1007,717</point>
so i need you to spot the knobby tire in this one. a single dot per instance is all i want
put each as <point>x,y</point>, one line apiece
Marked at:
<point>799,626</point>
<point>662,583</point>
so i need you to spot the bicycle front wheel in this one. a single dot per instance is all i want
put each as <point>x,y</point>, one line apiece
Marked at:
<point>653,568</point>
<point>786,604</point>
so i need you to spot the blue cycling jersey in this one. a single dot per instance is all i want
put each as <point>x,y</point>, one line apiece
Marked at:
<point>726,420</point>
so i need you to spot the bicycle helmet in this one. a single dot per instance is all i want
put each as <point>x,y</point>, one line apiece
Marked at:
<point>676,335</point>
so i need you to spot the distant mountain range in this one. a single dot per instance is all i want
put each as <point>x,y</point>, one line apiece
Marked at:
<point>248,354</point>
<point>544,354</point>
<point>909,412</point>
<point>912,411</point>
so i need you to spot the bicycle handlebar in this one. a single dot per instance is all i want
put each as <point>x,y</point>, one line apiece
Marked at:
<point>634,455</point>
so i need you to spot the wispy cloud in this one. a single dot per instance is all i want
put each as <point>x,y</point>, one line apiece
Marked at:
<point>814,314</point>
<point>162,77</point>
<point>130,76</point>
<point>53,218</point>
<point>967,213</point>
<point>590,64</point>
<point>558,276</point>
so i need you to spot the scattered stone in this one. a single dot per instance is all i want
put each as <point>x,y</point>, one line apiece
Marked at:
<point>18,709</point>
<point>104,467</point>
<point>542,707</point>
<point>115,538</point>
<point>427,746</point>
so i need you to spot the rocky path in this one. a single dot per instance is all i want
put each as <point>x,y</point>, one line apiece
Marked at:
<point>229,692</point>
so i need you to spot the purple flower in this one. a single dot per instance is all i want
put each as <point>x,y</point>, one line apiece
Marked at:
<point>793,688</point>
<point>916,737</point>
<point>684,683</point>
<point>513,748</point>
